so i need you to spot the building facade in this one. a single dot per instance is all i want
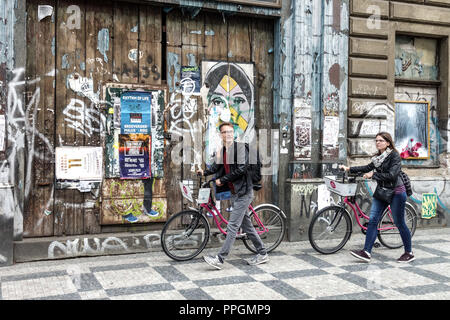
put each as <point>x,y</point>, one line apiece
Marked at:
<point>105,108</point>
<point>397,69</point>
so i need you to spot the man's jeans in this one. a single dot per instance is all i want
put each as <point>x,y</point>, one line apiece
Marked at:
<point>398,213</point>
<point>239,218</point>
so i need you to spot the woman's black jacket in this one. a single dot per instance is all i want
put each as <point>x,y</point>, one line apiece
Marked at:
<point>387,173</point>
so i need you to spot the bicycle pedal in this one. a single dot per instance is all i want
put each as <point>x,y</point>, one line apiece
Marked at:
<point>241,236</point>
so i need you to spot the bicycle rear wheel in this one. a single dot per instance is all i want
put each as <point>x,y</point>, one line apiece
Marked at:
<point>330,229</point>
<point>388,234</point>
<point>272,219</point>
<point>185,235</point>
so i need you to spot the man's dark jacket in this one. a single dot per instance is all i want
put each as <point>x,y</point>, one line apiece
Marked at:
<point>238,160</point>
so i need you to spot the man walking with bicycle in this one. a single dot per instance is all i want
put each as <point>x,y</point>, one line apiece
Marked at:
<point>231,166</point>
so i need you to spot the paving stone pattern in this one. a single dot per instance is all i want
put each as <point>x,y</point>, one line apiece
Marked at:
<point>295,271</point>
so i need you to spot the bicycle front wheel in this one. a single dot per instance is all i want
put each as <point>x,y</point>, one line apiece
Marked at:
<point>388,234</point>
<point>275,224</point>
<point>330,229</point>
<point>185,235</point>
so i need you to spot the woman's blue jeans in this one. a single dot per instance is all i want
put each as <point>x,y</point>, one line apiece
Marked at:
<point>398,213</point>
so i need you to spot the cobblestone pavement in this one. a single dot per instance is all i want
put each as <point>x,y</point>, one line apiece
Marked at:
<point>295,271</point>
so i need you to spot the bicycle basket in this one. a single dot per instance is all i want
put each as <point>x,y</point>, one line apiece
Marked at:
<point>342,189</point>
<point>203,193</point>
<point>186,192</point>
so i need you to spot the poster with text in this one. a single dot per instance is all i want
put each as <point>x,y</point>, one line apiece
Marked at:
<point>135,156</point>
<point>79,163</point>
<point>330,130</point>
<point>136,113</point>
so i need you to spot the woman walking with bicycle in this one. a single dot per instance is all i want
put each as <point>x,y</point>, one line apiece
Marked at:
<point>385,168</point>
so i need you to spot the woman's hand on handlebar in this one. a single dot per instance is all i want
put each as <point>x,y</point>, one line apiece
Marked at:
<point>344,168</point>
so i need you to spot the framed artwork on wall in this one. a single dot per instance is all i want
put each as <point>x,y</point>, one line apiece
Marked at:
<point>263,3</point>
<point>412,129</point>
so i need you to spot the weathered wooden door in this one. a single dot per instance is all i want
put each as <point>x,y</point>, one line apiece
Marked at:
<point>209,40</point>
<point>75,49</point>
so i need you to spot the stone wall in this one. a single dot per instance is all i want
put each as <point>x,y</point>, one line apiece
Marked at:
<point>373,86</point>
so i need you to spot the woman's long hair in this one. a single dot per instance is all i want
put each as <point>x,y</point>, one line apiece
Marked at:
<point>387,137</point>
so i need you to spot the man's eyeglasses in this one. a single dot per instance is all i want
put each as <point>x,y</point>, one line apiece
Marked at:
<point>227,132</point>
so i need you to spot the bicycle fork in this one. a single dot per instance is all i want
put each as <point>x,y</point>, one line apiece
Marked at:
<point>338,215</point>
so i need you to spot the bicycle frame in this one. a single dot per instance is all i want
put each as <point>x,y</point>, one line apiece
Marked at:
<point>357,211</point>
<point>216,214</point>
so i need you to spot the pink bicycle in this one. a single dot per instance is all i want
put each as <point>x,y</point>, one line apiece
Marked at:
<point>186,233</point>
<point>331,227</point>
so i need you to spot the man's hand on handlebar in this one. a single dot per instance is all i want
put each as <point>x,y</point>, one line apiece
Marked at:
<point>344,168</point>
<point>200,172</point>
<point>368,175</point>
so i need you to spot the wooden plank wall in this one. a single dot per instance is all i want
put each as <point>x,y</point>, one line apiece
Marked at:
<point>40,65</point>
<point>213,36</point>
<point>65,46</point>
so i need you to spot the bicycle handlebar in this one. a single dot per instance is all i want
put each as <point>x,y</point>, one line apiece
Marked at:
<point>350,176</point>
<point>206,183</point>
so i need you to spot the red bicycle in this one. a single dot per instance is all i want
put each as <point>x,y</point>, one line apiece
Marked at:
<point>331,227</point>
<point>186,233</point>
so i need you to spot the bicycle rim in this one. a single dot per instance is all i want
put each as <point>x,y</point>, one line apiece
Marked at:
<point>388,234</point>
<point>274,223</point>
<point>185,235</point>
<point>330,229</point>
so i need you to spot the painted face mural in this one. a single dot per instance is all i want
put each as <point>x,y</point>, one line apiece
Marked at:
<point>230,98</point>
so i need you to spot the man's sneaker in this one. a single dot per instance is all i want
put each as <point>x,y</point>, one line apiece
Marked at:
<point>361,254</point>
<point>258,259</point>
<point>213,261</point>
<point>406,257</point>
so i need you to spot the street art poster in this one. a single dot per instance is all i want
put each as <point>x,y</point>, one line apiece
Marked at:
<point>79,163</point>
<point>302,138</point>
<point>429,205</point>
<point>134,156</point>
<point>416,58</point>
<point>135,112</point>
<point>228,90</point>
<point>412,129</point>
<point>190,80</point>
<point>124,202</point>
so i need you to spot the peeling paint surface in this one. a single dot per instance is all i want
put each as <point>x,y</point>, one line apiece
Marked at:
<point>7,18</point>
<point>103,43</point>
<point>315,72</point>
<point>10,205</point>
